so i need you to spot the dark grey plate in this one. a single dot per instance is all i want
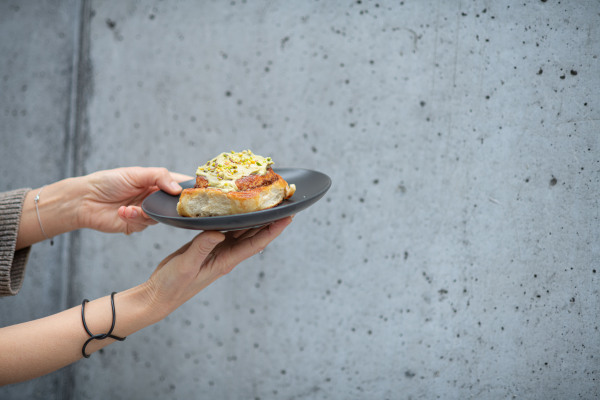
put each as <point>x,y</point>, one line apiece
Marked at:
<point>310,187</point>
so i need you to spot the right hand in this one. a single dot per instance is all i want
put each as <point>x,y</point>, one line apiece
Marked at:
<point>200,262</point>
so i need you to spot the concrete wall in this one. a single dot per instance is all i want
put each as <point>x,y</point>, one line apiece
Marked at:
<point>456,254</point>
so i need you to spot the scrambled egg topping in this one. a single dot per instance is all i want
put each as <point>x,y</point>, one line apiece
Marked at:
<point>222,171</point>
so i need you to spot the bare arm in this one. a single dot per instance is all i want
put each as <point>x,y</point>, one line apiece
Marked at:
<point>38,347</point>
<point>108,201</point>
<point>57,207</point>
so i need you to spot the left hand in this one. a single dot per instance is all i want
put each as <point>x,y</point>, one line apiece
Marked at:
<point>113,198</point>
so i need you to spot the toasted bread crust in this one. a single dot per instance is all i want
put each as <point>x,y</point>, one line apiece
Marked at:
<point>261,192</point>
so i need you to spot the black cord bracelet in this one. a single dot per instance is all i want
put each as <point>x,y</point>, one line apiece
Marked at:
<point>101,336</point>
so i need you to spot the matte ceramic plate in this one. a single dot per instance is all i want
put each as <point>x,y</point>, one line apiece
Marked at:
<point>310,187</point>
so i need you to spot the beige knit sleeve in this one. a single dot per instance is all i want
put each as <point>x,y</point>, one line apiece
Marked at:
<point>12,263</point>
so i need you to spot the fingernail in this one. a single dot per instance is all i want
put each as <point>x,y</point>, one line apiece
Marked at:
<point>175,186</point>
<point>133,214</point>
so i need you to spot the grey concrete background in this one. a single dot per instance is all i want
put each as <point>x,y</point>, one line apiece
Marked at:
<point>456,254</point>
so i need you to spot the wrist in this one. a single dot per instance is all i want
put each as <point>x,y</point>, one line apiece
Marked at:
<point>65,198</point>
<point>79,196</point>
<point>152,302</point>
<point>134,311</point>
<point>55,212</point>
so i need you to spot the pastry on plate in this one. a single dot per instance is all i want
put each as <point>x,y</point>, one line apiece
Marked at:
<point>234,183</point>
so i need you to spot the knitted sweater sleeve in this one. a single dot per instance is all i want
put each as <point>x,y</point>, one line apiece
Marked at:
<point>12,263</point>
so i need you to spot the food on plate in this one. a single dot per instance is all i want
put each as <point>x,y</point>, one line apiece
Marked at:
<point>234,183</point>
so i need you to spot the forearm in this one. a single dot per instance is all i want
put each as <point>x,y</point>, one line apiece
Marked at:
<point>38,347</point>
<point>58,205</point>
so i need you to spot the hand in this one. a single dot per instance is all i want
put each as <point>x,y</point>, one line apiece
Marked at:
<point>200,262</point>
<point>113,198</point>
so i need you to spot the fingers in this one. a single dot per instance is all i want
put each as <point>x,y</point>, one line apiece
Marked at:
<point>176,253</point>
<point>199,250</point>
<point>165,181</point>
<point>193,253</point>
<point>181,177</point>
<point>128,213</point>
<point>204,243</point>
<point>245,233</point>
<point>135,218</point>
<point>161,177</point>
<point>249,246</point>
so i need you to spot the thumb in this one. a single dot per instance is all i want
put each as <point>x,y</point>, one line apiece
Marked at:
<point>201,247</point>
<point>155,176</point>
<point>166,182</point>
